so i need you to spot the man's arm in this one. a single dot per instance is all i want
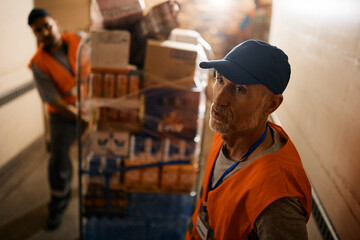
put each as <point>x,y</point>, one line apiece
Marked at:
<point>51,95</point>
<point>45,86</point>
<point>282,219</point>
<point>67,110</point>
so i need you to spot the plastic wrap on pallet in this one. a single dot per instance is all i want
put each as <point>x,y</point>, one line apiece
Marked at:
<point>143,150</point>
<point>149,216</point>
<point>170,63</point>
<point>158,20</point>
<point>169,133</point>
<point>171,112</point>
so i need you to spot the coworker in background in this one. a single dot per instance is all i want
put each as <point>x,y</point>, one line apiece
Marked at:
<point>54,70</point>
<point>254,185</point>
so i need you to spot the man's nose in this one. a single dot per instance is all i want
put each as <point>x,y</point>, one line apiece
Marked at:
<point>221,96</point>
<point>45,32</point>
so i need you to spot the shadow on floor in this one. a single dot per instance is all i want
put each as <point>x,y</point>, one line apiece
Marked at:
<point>25,226</point>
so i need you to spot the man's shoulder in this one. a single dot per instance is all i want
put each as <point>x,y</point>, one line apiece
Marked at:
<point>78,33</point>
<point>39,51</point>
<point>81,34</point>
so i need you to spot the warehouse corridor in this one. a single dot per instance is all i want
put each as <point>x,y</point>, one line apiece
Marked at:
<point>319,111</point>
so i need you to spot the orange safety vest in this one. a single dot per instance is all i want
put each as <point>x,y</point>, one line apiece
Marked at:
<point>236,203</point>
<point>64,81</point>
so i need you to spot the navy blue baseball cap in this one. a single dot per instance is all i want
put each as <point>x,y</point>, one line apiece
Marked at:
<point>254,62</point>
<point>37,13</point>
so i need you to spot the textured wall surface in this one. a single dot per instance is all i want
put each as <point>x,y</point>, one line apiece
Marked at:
<point>321,107</point>
<point>70,14</point>
<point>21,120</point>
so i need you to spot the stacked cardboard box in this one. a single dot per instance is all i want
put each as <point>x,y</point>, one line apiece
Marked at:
<point>110,49</point>
<point>146,127</point>
<point>116,14</point>
<point>170,63</point>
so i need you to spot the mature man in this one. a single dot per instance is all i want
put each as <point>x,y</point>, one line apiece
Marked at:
<point>54,69</point>
<point>254,185</point>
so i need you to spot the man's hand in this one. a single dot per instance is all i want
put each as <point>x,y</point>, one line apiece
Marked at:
<point>67,110</point>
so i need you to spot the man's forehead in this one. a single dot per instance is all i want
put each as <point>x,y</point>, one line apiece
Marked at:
<point>256,87</point>
<point>217,74</point>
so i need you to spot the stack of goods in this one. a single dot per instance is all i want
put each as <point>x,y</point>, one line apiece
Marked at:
<point>152,19</point>
<point>142,164</point>
<point>112,14</point>
<point>150,216</point>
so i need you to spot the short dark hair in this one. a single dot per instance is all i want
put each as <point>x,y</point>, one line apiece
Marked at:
<point>37,13</point>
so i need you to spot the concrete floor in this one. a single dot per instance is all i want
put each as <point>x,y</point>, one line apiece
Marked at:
<point>24,211</point>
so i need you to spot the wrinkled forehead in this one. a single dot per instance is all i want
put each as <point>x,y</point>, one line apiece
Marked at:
<point>257,87</point>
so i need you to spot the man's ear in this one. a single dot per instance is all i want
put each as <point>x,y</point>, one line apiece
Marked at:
<point>274,102</point>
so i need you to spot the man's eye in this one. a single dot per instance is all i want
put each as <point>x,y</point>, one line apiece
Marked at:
<point>47,26</point>
<point>241,89</point>
<point>219,79</point>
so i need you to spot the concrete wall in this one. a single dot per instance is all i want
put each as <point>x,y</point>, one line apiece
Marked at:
<point>70,14</point>
<point>322,102</point>
<point>21,120</point>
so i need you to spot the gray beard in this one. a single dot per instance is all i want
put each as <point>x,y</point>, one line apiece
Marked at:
<point>225,127</point>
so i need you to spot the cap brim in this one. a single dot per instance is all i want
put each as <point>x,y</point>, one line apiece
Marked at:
<point>231,71</point>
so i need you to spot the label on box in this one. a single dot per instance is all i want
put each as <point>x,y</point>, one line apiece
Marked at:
<point>110,49</point>
<point>108,142</point>
<point>171,112</point>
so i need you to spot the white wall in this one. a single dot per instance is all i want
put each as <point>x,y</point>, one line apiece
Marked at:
<point>70,14</point>
<point>321,107</point>
<point>21,120</point>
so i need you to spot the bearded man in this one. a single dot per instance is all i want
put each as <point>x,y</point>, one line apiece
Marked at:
<point>254,186</point>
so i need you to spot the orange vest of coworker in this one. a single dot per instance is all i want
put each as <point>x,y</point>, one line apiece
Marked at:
<point>64,81</point>
<point>236,203</point>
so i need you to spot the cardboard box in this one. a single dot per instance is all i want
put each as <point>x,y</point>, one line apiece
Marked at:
<point>156,149</point>
<point>132,177</point>
<point>170,177</point>
<point>184,35</point>
<point>96,85</point>
<point>150,177</point>
<point>137,148</point>
<point>187,177</point>
<point>169,63</point>
<point>171,112</point>
<point>122,13</point>
<point>174,150</point>
<point>112,165</point>
<point>120,144</point>
<point>110,49</point>
<point>109,85</point>
<point>121,85</point>
<point>108,142</point>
